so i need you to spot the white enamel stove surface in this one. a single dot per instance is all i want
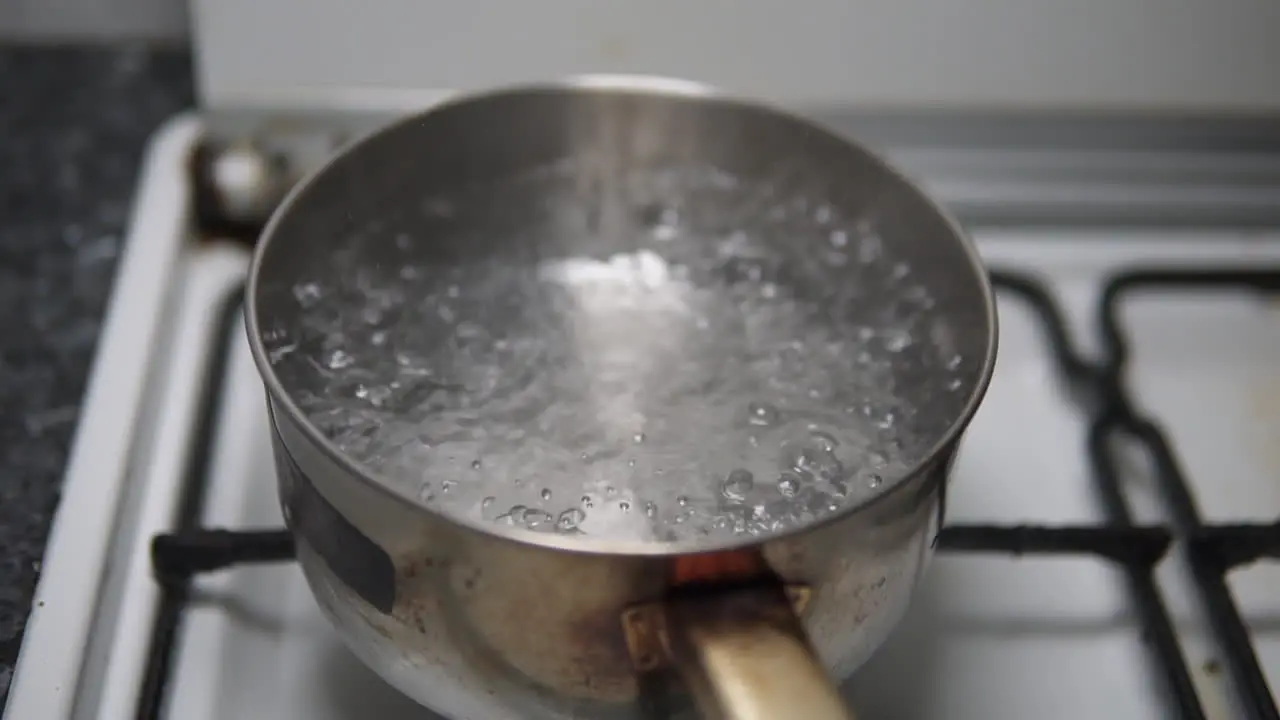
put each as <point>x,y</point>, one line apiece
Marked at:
<point>989,637</point>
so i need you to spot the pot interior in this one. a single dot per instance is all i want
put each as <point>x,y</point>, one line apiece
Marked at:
<point>615,315</point>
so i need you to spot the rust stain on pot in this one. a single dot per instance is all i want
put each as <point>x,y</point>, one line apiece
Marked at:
<point>530,628</point>
<point>599,656</point>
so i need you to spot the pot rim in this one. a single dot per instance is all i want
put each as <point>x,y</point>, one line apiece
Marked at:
<point>643,84</point>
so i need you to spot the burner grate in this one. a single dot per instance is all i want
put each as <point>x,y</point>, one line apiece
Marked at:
<point>1213,550</point>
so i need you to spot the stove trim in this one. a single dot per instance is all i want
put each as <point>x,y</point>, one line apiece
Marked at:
<point>56,639</point>
<point>995,170</point>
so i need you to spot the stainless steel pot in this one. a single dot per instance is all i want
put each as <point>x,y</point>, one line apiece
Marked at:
<point>747,599</point>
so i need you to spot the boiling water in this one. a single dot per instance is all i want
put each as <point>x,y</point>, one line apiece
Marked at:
<point>680,355</point>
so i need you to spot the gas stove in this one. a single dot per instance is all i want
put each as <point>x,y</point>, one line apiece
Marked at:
<point>1114,517</point>
<point>1112,520</point>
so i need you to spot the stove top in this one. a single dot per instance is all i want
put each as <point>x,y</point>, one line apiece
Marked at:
<point>1112,522</point>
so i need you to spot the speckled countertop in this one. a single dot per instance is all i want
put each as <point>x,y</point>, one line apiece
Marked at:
<point>73,125</point>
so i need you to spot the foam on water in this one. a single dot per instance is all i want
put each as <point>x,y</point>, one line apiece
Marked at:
<point>685,357</point>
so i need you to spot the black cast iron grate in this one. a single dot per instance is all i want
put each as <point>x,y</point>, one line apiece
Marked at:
<point>1212,550</point>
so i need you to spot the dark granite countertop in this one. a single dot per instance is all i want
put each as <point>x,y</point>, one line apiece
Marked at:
<point>74,122</point>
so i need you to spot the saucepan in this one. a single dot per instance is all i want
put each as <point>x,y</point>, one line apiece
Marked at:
<point>615,397</point>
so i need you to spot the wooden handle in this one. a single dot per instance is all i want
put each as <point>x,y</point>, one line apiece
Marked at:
<point>745,656</point>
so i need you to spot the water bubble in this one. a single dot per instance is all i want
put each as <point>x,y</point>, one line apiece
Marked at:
<point>804,461</point>
<point>954,385</point>
<point>762,414</point>
<point>953,362</point>
<point>788,484</point>
<point>545,494</point>
<point>663,221</point>
<point>610,491</point>
<point>825,441</point>
<point>372,315</point>
<point>650,509</point>
<point>682,500</point>
<point>570,519</point>
<point>921,297</point>
<point>475,464</point>
<point>339,359</point>
<point>512,516</point>
<point>624,506</point>
<point>278,353</point>
<point>739,268</point>
<point>307,294</point>
<point>588,502</point>
<point>488,502</point>
<point>638,438</point>
<point>874,481</point>
<point>737,484</point>
<point>735,244</point>
<point>375,396</point>
<point>446,486</point>
<point>870,249</point>
<point>811,461</point>
<point>631,462</point>
<point>897,341</point>
<point>533,518</point>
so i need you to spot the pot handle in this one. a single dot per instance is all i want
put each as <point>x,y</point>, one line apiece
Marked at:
<point>744,655</point>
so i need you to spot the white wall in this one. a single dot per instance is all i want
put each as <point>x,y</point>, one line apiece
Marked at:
<point>1170,55</point>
